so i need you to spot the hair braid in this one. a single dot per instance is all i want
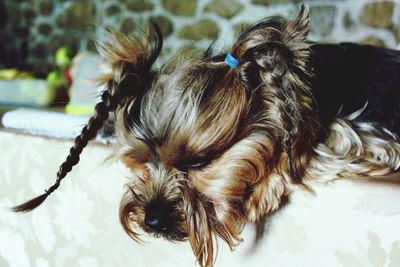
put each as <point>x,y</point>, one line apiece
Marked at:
<point>288,141</point>
<point>89,132</point>
<point>290,118</point>
<point>130,59</point>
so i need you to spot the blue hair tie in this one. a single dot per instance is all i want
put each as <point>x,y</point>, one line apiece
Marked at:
<point>231,61</point>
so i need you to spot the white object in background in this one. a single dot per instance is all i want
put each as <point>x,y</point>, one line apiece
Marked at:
<point>27,92</point>
<point>85,89</point>
<point>45,123</point>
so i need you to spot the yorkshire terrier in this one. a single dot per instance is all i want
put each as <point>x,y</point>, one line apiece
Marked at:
<point>220,140</point>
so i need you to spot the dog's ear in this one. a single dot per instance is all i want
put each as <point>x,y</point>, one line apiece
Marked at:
<point>274,43</point>
<point>274,62</point>
<point>130,59</point>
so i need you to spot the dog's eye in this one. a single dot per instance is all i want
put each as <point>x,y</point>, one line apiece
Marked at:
<point>196,163</point>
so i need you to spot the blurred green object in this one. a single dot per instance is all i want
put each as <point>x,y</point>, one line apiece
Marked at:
<point>55,80</point>
<point>64,57</point>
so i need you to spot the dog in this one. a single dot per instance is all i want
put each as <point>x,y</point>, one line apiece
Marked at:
<point>221,140</point>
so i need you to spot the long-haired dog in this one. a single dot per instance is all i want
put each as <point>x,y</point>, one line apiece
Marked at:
<point>218,141</point>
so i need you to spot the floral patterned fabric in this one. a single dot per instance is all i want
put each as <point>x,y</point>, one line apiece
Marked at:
<point>343,224</point>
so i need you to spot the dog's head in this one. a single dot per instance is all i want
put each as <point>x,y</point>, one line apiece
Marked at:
<point>209,146</point>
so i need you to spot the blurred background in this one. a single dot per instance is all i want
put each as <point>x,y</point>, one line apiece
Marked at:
<point>31,31</point>
<point>39,38</point>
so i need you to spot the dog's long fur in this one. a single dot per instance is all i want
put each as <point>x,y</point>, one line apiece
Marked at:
<point>212,147</point>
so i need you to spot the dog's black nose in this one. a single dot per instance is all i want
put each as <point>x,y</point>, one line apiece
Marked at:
<point>155,221</point>
<point>158,215</point>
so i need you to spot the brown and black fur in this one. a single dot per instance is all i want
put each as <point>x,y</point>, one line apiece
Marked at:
<point>212,147</point>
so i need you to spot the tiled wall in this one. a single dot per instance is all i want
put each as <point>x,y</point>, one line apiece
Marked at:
<point>31,30</point>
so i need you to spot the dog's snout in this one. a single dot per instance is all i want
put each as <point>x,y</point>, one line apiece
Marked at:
<point>158,215</point>
<point>155,221</point>
<point>164,218</point>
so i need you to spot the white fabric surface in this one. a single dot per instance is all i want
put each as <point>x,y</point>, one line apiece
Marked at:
<point>45,123</point>
<point>343,224</point>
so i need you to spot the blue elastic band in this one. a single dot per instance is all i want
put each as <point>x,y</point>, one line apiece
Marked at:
<point>231,61</point>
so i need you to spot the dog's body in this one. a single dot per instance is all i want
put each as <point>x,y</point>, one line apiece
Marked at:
<point>350,76</point>
<point>212,146</point>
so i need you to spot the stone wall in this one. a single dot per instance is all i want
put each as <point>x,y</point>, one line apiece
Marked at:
<point>31,30</point>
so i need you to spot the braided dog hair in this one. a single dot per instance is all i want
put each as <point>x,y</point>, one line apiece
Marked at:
<point>130,59</point>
